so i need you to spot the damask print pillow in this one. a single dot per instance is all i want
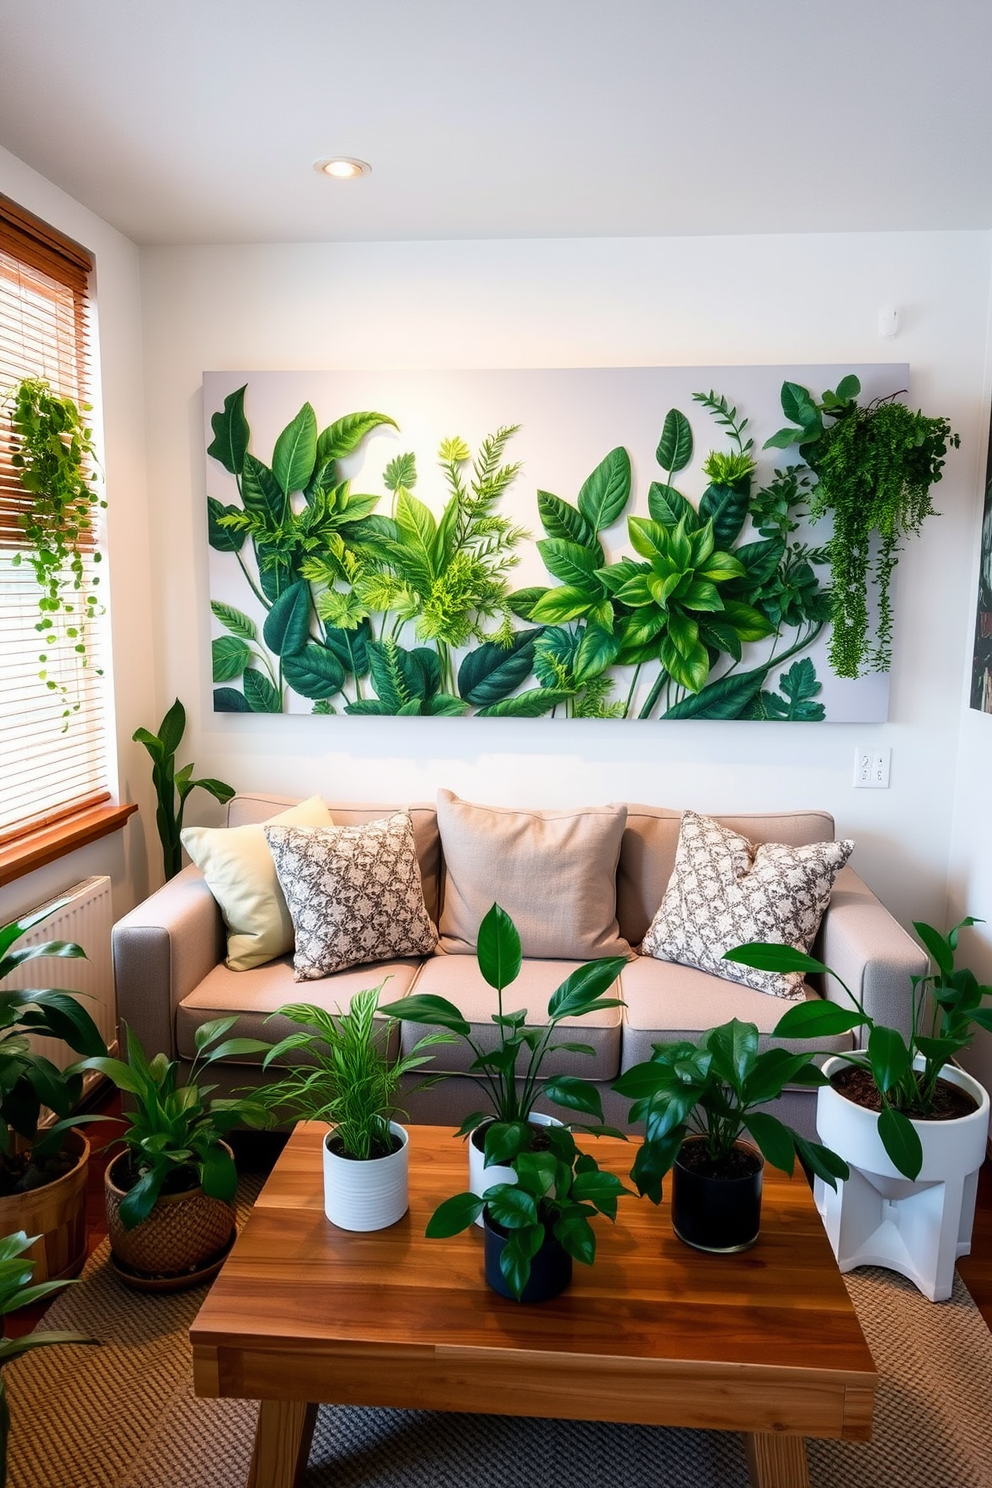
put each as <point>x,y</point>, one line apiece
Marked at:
<point>725,891</point>
<point>354,894</point>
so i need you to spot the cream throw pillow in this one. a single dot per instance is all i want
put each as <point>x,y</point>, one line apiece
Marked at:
<point>554,872</point>
<point>238,867</point>
<point>726,891</point>
<point>354,893</point>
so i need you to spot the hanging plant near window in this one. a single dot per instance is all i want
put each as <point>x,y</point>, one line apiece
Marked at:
<point>875,465</point>
<point>54,457</point>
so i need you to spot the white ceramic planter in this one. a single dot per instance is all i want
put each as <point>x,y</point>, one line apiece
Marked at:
<point>480,1177</point>
<point>367,1195</point>
<point>919,1226</point>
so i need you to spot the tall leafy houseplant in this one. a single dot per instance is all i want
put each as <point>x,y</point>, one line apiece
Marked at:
<point>875,464</point>
<point>172,786</point>
<point>54,456</point>
<point>16,1291</point>
<point>510,1073</point>
<point>946,1008</point>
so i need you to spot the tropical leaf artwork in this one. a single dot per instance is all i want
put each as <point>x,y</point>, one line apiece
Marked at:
<point>688,590</point>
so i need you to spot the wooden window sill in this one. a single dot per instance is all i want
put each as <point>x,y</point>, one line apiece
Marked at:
<point>46,844</point>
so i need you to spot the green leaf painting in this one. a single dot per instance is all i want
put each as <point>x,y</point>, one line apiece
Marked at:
<point>355,574</point>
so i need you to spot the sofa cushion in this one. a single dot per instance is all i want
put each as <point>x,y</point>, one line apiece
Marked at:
<point>253,806</point>
<point>666,1002</point>
<point>354,894</point>
<point>238,867</point>
<point>253,995</point>
<point>726,891</point>
<point>554,872</point>
<point>459,980</point>
<point>650,839</point>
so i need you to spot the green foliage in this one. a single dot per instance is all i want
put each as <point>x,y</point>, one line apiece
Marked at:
<point>558,1190</point>
<point>875,465</point>
<point>173,1134</point>
<point>28,1081</point>
<point>510,1074</point>
<point>946,1008</point>
<point>54,457</point>
<point>715,1087</point>
<point>172,786</point>
<point>799,686</point>
<point>341,1072</point>
<point>16,1291</point>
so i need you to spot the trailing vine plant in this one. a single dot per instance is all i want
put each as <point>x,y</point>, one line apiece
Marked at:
<point>875,464</point>
<point>54,456</point>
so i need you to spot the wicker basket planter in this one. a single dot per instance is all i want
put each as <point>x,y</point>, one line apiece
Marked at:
<point>183,1241</point>
<point>56,1213</point>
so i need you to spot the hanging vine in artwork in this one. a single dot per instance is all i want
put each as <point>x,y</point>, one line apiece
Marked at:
<point>389,603</point>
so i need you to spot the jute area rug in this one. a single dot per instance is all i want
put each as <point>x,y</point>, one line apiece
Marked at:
<point>123,1415</point>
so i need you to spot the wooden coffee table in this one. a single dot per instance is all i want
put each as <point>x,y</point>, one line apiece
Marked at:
<point>765,1343</point>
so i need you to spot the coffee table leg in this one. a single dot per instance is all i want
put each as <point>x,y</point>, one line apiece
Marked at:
<point>775,1460</point>
<point>282,1443</point>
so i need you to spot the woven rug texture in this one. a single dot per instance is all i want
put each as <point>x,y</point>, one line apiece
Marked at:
<point>123,1415</point>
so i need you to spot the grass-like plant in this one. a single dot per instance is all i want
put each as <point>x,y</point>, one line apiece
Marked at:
<point>16,1291</point>
<point>945,1008</point>
<point>172,786</point>
<point>347,1078</point>
<point>173,1134</point>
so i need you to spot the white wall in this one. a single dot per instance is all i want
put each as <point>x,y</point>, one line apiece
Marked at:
<point>586,303</point>
<point>124,855</point>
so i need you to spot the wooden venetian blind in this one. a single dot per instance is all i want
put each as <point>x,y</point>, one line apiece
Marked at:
<point>47,770</point>
<point>44,330</point>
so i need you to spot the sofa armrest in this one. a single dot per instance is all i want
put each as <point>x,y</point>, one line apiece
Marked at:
<point>163,949</point>
<point>869,949</point>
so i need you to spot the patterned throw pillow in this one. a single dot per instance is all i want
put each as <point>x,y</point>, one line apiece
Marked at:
<point>354,894</point>
<point>725,891</point>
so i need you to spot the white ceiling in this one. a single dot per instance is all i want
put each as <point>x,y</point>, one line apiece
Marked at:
<point>197,121</point>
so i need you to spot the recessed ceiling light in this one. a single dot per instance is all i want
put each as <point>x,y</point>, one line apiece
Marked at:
<point>343,168</point>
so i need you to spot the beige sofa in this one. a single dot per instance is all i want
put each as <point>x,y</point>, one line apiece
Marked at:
<point>171,977</point>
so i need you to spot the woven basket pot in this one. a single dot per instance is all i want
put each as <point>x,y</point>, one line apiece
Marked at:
<point>185,1234</point>
<point>56,1213</point>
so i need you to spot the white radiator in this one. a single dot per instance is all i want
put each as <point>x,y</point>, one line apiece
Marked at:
<point>86,918</point>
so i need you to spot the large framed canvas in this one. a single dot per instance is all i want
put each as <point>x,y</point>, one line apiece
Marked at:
<point>981,671</point>
<point>584,543</point>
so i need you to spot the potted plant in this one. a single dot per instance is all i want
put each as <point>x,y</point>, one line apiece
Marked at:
<point>695,1100</point>
<point>538,1224</point>
<point>43,1167</point>
<point>349,1080</point>
<point>510,1072</point>
<point>912,1127</point>
<point>172,786</point>
<point>16,1269</point>
<point>170,1191</point>
<point>875,464</point>
<point>54,456</point>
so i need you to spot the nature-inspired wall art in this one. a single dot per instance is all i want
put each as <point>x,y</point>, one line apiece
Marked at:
<point>981,671</point>
<point>608,543</point>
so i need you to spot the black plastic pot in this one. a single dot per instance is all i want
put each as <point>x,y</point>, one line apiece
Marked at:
<point>550,1270</point>
<point>722,1215</point>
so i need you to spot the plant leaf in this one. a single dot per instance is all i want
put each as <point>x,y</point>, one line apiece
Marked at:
<point>229,700</point>
<point>492,672</point>
<point>296,451</point>
<point>229,657</point>
<point>223,539</point>
<point>901,1141</point>
<point>498,949</point>
<point>607,490</point>
<point>287,625</point>
<point>675,446</point>
<point>345,435</point>
<point>561,520</point>
<point>238,623</point>
<point>231,432</point>
<point>532,704</point>
<point>260,694</point>
<point>314,672</point>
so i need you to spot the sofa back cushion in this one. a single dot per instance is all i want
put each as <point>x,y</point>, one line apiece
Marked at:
<point>253,807</point>
<point>650,840</point>
<point>554,872</point>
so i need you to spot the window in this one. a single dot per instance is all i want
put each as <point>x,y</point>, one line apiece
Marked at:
<point>47,770</point>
